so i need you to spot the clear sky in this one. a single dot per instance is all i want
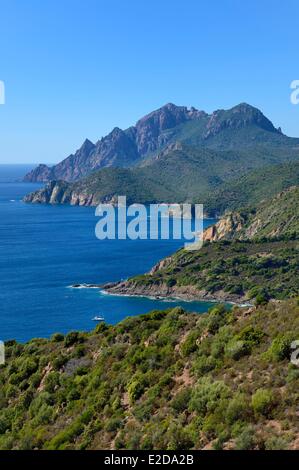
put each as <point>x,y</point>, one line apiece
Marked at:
<point>77,68</point>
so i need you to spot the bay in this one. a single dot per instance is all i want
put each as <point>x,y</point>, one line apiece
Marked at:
<point>44,249</point>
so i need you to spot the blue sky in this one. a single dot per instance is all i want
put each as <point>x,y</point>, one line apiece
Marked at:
<point>75,69</point>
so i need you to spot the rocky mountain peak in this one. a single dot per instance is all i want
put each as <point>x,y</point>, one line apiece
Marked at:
<point>87,145</point>
<point>238,117</point>
<point>158,129</point>
<point>150,127</point>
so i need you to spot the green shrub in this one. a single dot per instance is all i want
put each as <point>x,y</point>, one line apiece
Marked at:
<point>71,338</point>
<point>101,328</point>
<point>29,366</point>
<point>5,421</point>
<point>261,299</point>
<point>280,348</point>
<point>11,391</point>
<point>57,337</point>
<point>252,336</point>
<point>207,394</point>
<point>181,400</point>
<point>44,416</point>
<point>177,438</point>
<point>190,345</point>
<point>135,389</point>
<point>246,439</point>
<point>113,424</point>
<point>220,341</point>
<point>262,402</point>
<point>237,349</point>
<point>217,318</point>
<point>59,362</point>
<point>237,409</point>
<point>52,381</point>
<point>236,289</point>
<point>74,394</point>
<point>276,443</point>
<point>293,374</point>
<point>204,364</point>
<point>171,282</point>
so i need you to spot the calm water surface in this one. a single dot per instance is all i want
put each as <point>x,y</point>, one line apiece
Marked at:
<point>44,249</point>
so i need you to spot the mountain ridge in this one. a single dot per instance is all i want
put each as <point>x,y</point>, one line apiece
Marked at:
<point>125,148</point>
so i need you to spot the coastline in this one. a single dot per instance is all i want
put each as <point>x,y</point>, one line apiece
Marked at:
<point>163,292</point>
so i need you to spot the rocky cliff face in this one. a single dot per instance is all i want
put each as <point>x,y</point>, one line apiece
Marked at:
<point>59,192</point>
<point>276,217</point>
<point>228,227</point>
<point>151,134</point>
<point>149,129</point>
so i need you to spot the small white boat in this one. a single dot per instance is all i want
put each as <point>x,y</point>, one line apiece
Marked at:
<point>96,318</point>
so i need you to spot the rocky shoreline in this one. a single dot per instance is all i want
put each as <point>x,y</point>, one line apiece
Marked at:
<point>162,291</point>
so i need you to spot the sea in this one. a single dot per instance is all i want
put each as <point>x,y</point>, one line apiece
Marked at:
<point>45,249</point>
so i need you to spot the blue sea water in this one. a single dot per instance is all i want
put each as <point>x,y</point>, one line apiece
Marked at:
<point>44,249</point>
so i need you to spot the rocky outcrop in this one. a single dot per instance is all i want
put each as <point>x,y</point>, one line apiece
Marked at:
<point>276,217</point>
<point>227,228</point>
<point>149,129</point>
<point>162,291</point>
<point>60,192</point>
<point>53,193</point>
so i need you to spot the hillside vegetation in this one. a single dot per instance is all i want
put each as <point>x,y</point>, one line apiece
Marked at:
<point>165,380</point>
<point>251,188</point>
<point>224,270</point>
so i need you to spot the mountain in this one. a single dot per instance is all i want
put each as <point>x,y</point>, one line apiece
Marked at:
<point>253,252</point>
<point>169,379</point>
<point>242,127</point>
